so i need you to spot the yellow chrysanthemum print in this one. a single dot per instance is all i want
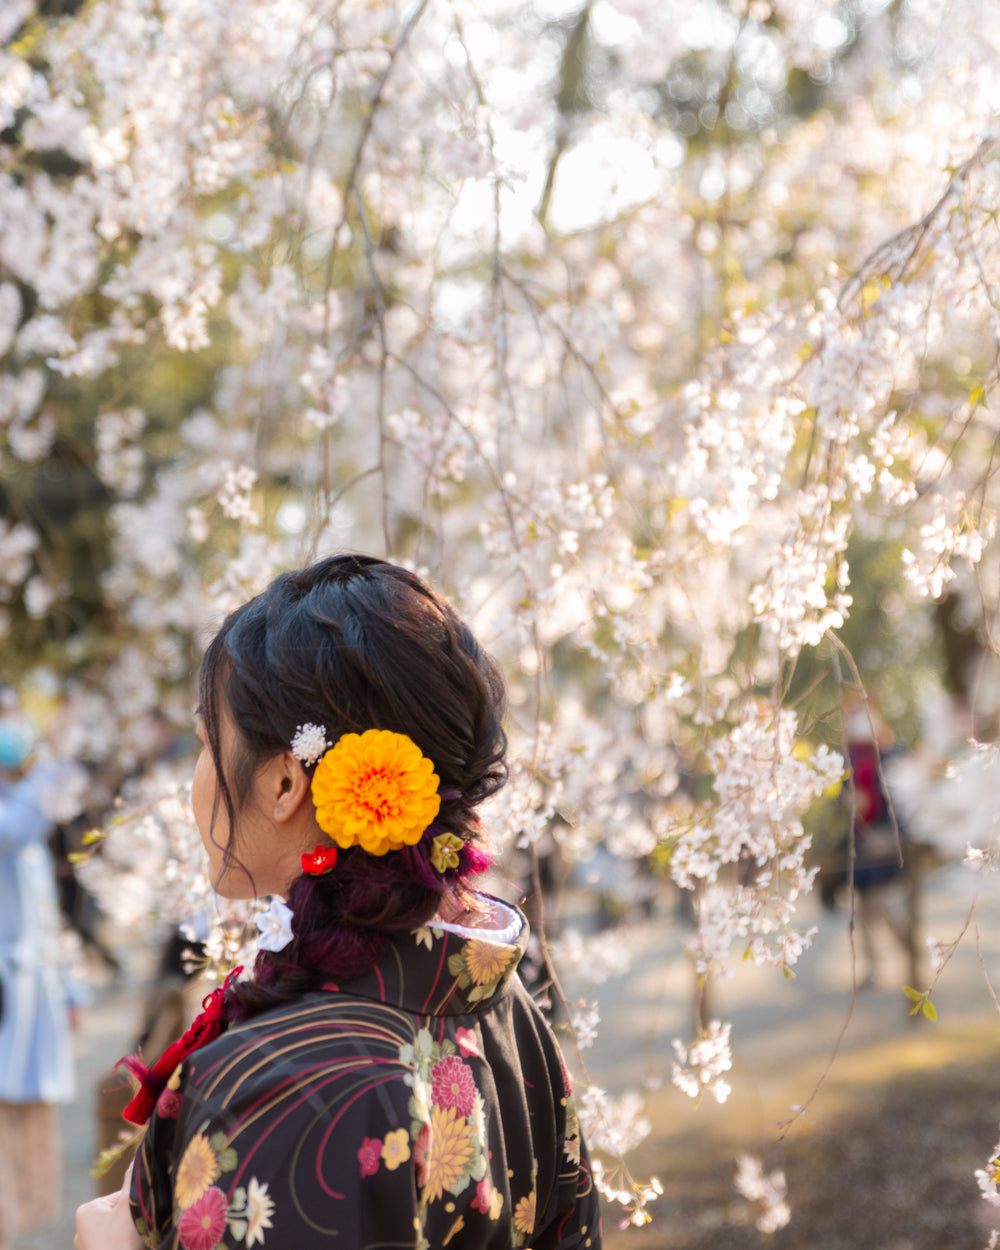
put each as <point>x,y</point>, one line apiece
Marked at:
<point>448,1152</point>
<point>524,1215</point>
<point>485,961</point>
<point>375,790</point>
<point>198,1169</point>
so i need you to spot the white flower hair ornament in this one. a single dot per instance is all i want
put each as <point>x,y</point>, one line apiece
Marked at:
<point>275,925</point>
<point>309,743</point>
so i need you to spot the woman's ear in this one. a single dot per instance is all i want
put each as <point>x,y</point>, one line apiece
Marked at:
<point>286,787</point>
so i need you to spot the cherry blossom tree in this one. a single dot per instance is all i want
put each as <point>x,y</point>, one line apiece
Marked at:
<point>629,322</point>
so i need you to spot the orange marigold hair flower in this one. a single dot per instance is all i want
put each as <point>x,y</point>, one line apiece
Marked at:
<point>375,790</point>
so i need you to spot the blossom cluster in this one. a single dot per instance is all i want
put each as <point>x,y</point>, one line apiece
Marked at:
<point>764,779</point>
<point>698,1068</point>
<point>151,861</point>
<point>769,1189</point>
<point>988,1178</point>
<point>613,1125</point>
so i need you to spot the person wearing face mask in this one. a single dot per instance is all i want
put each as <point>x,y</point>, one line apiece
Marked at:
<point>38,998</point>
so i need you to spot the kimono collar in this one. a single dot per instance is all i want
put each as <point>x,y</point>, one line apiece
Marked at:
<point>446,970</point>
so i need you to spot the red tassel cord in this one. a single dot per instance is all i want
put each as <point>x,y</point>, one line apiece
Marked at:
<point>206,1027</point>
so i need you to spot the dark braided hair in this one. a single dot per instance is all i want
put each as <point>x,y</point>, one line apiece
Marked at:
<point>354,643</point>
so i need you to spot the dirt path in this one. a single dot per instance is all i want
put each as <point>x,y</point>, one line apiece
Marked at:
<point>883,1156</point>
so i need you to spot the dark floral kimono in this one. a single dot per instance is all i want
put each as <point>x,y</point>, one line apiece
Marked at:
<point>422,1105</point>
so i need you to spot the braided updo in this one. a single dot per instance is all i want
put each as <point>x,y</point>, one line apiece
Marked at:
<point>354,643</point>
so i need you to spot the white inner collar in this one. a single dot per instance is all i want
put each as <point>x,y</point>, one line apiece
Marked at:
<point>497,922</point>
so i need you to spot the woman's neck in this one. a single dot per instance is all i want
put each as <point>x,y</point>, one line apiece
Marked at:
<point>463,906</point>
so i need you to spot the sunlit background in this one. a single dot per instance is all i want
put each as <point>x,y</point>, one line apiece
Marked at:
<point>663,337</point>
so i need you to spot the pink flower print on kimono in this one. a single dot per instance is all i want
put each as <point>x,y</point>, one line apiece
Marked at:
<point>202,1223</point>
<point>452,1085</point>
<point>487,1199</point>
<point>447,1124</point>
<point>203,1212</point>
<point>468,1044</point>
<point>370,1155</point>
<point>393,1151</point>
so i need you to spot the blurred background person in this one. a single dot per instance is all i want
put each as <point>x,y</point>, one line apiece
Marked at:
<point>874,848</point>
<point>40,997</point>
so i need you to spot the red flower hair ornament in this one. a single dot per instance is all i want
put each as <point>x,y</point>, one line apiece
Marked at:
<point>319,862</point>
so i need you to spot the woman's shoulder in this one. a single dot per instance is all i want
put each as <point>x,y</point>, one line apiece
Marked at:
<point>320,1017</point>
<point>440,977</point>
<point>316,1028</point>
<point>321,1041</point>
